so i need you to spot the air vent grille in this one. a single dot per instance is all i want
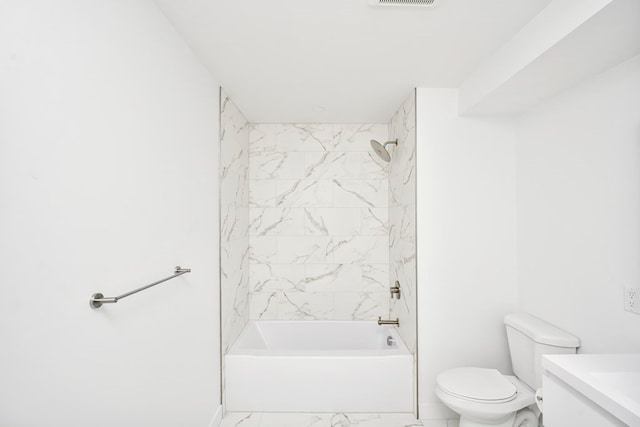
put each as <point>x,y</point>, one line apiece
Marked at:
<point>429,3</point>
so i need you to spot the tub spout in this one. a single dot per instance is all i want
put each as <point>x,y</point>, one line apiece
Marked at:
<point>388,322</point>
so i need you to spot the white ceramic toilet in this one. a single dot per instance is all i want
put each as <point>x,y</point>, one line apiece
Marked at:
<point>485,397</point>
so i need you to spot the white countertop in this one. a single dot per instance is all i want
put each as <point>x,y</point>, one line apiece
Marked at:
<point>612,381</point>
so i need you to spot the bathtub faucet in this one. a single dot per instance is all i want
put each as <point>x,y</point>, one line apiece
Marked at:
<point>388,322</point>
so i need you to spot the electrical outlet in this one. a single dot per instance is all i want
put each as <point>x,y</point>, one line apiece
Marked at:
<point>631,299</point>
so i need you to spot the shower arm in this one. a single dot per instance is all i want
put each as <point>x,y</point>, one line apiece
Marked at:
<point>394,142</point>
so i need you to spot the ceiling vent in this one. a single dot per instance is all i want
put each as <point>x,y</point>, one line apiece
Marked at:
<point>421,3</point>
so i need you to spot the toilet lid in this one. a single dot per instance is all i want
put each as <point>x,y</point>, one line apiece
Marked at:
<point>486,385</point>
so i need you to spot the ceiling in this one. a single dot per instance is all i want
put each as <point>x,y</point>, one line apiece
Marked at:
<point>340,61</point>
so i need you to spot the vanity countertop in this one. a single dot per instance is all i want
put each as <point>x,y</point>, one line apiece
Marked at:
<point>612,381</point>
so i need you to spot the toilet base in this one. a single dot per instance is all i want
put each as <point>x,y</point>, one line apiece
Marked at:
<point>506,422</point>
<point>523,418</point>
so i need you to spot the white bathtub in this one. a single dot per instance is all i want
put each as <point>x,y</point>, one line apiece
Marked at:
<point>318,366</point>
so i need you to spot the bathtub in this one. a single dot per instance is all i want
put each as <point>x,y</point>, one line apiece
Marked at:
<point>318,366</point>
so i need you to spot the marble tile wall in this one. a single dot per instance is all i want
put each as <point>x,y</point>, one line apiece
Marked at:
<point>234,221</point>
<point>402,218</point>
<point>271,419</point>
<point>318,222</point>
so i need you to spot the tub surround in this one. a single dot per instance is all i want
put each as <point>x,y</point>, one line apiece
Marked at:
<point>402,218</point>
<point>315,226</point>
<point>318,222</point>
<point>234,220</point>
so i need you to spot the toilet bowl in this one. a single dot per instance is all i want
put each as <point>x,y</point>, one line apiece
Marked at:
<point>485,397</point>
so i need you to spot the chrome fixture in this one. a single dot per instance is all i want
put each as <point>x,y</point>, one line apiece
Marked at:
<point>98,299</point>
<point>395,290</point>
<point>388,322</point>
<point>390,341</point>
<point>381,149</point>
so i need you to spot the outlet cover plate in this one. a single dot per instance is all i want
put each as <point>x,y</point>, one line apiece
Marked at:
<point>632,299</point>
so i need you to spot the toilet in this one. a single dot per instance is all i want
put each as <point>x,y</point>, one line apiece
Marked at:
<point>485,397</point>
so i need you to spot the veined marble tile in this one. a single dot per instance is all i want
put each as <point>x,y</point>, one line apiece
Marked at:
<point>332,221</point>
<point>305,137</point>
<point>262,193</point>
<point>361,305</point>
<point>403,251</point>
<point>407,318</point>
<point>306,306</point>
<point>333,164</point>
<point>402,185</point>
<point>231,326</point>
<point>303,193</point>
<point>375,277</point>
<point>373,167</point>
<point>241,419</point>
<point>277,277</point>
<point>234,150</point>
<point>359,249</point>
<point>234,221</point>
<point>434,423</point>
<point>296,420</point>
<point>231,117</point>
<point>264,305</point>
<point>356,137</point>
<point>402,221</point>
<point>404,119</point>
<point>234,315</point>
<point>272,419</point>
<point>304,250</point>
<point>333,277</point>
<point>277,165</point>
<point>276,222</point>
<point>263,250</point>
<point>402,420</point>
<point>360,193</point>
<point>405,152</point>
<point>402,236</point>
<point>236,289</point>
<point>262,137</point>
<point>405,272</point>
<point>234,256</point>
<point>375,221</point>
<point>234,185</point>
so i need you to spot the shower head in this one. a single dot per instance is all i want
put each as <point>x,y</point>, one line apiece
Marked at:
<point>381,150</point>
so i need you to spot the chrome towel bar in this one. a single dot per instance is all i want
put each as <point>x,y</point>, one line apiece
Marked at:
<point>98,299</point>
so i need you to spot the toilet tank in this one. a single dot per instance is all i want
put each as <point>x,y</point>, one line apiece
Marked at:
<point>529,338</point>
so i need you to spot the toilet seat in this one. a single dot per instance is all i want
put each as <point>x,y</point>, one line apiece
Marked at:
<point>477,385</point>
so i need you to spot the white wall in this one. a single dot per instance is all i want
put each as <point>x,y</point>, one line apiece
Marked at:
<point>108,155</point>
<point>579,209</point>
<point>466,240</point>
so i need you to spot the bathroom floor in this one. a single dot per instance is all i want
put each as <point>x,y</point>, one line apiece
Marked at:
<point>245,419</point>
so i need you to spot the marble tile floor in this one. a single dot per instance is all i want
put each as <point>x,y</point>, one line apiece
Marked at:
<point>246,419</point>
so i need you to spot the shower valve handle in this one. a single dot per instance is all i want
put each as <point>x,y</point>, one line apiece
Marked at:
<point>395,290</point>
